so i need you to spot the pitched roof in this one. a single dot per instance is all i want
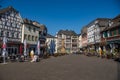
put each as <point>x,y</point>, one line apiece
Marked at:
<point>50,36</point>
<point>43,27</point>
<point>7,9</point>
<point>67,32</point>
<point>117,17</point>
<point>115,22</point>
<point>84,30</point>
<point>30,22</point>
<point>100,21</point>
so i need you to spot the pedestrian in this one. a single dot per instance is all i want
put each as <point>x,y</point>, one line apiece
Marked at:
<point>100,52</point>
<point>32,55</point>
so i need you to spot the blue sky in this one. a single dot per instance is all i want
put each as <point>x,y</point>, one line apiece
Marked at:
<point>65,14</point>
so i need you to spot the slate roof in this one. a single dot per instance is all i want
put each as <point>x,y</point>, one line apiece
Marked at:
<point>115,23</point>
<point>2,11</point>
<point>84,30</point>
<point>27,21</point>
<point>117,17</point>
<point>67,32</point>
<point>102,22</point>
<point>50,36</point>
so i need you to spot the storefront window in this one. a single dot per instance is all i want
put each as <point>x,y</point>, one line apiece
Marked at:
<point>119,30</point>
<point>105,34</point>
<point>114,32</point>
<point>110,33</point>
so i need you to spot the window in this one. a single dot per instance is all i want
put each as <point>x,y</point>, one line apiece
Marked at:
<point>119,31</point>
<point>0,22</point>
<point>32,38</point>
<point>29,38</point>
<point>0,32</point>
<point>25,36</point>
<point>74,45</point>
<point>36,38</point>
<point>3,23</point>
<point>12,14</point>
<point>17,26</point>
<point>13,25</point>
<point>12,34</point>
<point>114,32</point>
<point>7,24</point>
<point>29,28</point>
<point>110,33</point>
<point>17,35</point>
<point>0,26</point>
<point>8,34</point>
<point>104,34</point>
<point>34,29</point>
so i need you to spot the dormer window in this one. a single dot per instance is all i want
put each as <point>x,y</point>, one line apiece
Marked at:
<point>110,23</point>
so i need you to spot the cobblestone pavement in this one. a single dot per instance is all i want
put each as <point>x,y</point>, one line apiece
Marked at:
<point>68,67</point>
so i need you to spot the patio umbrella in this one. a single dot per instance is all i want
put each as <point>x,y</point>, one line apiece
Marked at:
<point>38,47</point>
<point>4,49</point>
<point>20,49</point>
<point>25,45</point>
<point>52,46</point>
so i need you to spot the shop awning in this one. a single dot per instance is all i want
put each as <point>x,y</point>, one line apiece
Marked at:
<point>113,41</point>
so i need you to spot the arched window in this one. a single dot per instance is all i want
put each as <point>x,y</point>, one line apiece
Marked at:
<point>29,37</point>
<point>36,38</point>
<point>32,38</point>
<point>25,36</point>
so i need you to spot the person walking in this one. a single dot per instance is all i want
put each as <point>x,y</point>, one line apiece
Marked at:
<point>32,55</point>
